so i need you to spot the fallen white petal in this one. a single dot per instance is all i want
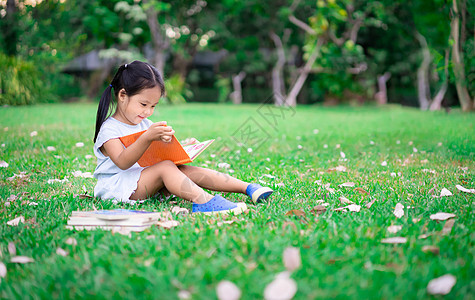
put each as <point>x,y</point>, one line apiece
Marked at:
<point>71,241</point>
<point>21,259</point>
<point>394,240</point>
<point>347,184</point>
<point>80,144</point>
<point>342,154</point>
<point>89,156</point>
<point>62,252</point>
<point>33,133</point>
<point>344,200</point>
<point>291,257</point>
<point>16,221</point>
<point>178,209</point>
<point>168,224</point>
<point>445,192</point>
<point>226,290</point>
<point>465,190</point>
<point>384,163</point>
<point>282,288</point>
<point>268,176</point>
<point>11,248</point>
<point>354,207</point>
<point>441,285</point>
<point>50,181</point>
<point>399,210</point>
<point>83,174</point>
<point>315,131</point>
<point>224,165</point>
<point>441,216</point>
<point>183,294</point>
<point>51,148</point>
<point>3,164</point>
<point>394,228</point>
<point>3,270</point>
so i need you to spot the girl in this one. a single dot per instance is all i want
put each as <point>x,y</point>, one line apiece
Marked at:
<point>137,88</point>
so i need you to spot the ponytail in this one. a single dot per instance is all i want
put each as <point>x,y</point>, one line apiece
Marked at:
<point>103,109</point>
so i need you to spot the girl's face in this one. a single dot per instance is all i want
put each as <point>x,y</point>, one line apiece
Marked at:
<point>132,110</point>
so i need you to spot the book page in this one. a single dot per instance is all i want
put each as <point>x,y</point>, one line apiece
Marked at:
<point>194,150</point>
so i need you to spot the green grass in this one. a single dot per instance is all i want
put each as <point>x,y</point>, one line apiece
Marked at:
<point>342,254</point>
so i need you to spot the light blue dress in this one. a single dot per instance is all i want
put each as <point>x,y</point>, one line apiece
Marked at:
<point>112,182</point>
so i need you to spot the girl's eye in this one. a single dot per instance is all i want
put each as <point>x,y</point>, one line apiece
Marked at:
<point>143,104</point>
<point>153,106</point>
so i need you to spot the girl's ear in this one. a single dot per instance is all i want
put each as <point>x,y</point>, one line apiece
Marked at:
<point>122,95</point>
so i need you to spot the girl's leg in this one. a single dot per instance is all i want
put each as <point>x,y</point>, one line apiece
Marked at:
<point>214,180</point>
<point>167,174</point>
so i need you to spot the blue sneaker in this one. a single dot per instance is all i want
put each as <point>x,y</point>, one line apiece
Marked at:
<point>219,205</point>
<point>258,192</point>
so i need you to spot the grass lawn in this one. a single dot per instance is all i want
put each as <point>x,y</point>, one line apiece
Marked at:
<point>392,154</point>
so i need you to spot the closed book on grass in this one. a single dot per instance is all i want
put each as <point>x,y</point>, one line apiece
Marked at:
<point>108,227</point>
<point>96,221</point>
<point>159,151</point>
<point>117,214</point>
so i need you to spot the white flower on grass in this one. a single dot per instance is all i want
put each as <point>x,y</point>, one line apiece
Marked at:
<point>439,144</point>
<point>445,192</point>
<point>51,148</point>
<point>342,154</point>
<point>249,150</point>
<point>410,143</point>
<point>398,142</point>
<point>226,290</point>
<point>394,228</point>
<point>300,146</point>
<point>371,142</point>
<point>384,163</point>
<point>337,146</point>
<point>325,146</point>
<point>33,133</point>
<point>315,131</point>
<point>89,156</point>
<point>399,210</point>
<point>50,181</point>
<point>82,174</point>
<point>393,174</point>
<point>441,285</point>
<point>80,144</point>
<point>414,149</point>
<point>224,165</point>
<point>3,164</point>
<point>3,145</point>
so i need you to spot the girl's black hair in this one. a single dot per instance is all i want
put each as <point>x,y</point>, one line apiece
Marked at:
<point>133,78</point>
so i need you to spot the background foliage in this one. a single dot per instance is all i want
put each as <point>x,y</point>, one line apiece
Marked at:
<point>385,42</point>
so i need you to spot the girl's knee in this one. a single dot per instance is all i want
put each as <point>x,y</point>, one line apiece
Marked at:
<point>164,165</point>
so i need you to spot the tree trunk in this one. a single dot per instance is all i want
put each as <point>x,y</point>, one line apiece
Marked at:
<point>159,42</point>
<point>423,88</point>
<point>9,28</point>
<point>278,86</point>
<point>382,94</point>
<point>291,99</point>
<point>236,95</point>
<point>439,97</point>
<point>457,61</point>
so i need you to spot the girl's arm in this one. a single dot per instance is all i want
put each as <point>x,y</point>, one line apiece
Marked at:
<point>125,158</point>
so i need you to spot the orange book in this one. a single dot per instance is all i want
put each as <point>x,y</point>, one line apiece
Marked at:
<point>159,151</point>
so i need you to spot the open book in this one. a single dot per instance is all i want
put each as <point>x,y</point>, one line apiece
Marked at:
<point>159,151</point>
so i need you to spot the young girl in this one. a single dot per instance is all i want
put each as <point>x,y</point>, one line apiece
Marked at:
<point>137,88</point>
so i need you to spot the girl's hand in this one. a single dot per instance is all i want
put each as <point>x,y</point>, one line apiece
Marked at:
<point>190,141</point>
<point>160,132</point>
